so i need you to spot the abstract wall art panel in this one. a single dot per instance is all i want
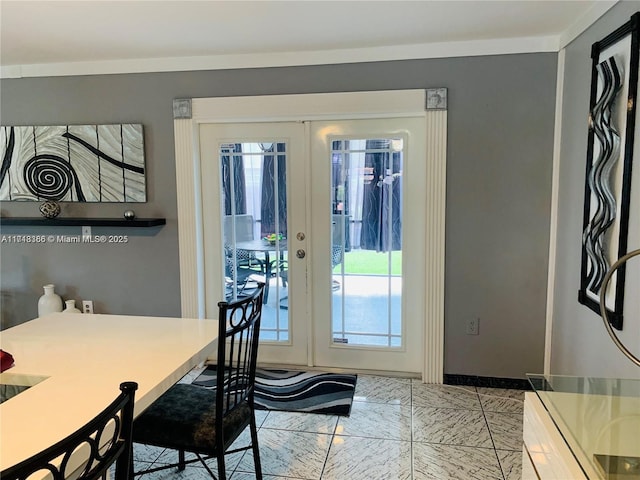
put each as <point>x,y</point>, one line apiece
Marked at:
<point>610,152</point>
<point>74,163</point>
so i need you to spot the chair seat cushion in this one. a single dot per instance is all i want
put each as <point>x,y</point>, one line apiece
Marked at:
<point>184,418</point>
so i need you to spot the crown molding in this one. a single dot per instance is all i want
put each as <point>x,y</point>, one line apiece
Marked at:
<point>284,59</point>
<point>585,21</point>
<point>316,57</point>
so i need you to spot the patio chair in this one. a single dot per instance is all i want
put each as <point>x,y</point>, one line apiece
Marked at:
<point>205,422</point>
<point>244,279</point>
<point>341,242</point>
<point>337,256</point>
<point>244,231</point>
<point>88,453</point>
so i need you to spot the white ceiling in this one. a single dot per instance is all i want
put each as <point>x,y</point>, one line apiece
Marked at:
<point>109,36</point>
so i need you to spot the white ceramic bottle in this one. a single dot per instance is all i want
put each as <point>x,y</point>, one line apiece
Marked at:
<point>50,302</point>
<point>71,307</point>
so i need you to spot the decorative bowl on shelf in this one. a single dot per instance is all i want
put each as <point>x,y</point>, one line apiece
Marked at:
<point>273,237</point>
<point>50,209</point>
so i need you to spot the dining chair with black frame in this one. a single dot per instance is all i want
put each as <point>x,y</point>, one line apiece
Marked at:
<point>89,452</point>
<point>206,422</point>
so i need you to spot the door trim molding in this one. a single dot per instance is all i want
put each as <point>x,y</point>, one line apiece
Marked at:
<point>190,237</point>
<point>436,133</point>
<point>305,107</point>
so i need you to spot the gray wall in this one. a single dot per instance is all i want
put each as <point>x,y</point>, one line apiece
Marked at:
<point>498,199</point>
<point>580,344</point>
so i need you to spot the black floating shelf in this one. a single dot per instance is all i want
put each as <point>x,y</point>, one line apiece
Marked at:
<point>79,222</point>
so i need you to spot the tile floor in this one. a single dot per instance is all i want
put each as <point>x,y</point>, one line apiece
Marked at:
<point>399,429</point>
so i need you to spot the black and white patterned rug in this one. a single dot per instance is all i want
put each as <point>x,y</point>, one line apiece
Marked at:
<point>296,391</point>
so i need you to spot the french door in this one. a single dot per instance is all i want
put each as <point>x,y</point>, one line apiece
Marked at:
<point>344,204</point>
<point>254,174</point>
<point>368,208</point>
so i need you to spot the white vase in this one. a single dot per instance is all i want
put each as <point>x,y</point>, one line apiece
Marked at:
<point>71,307</point>
<point>50,302</point>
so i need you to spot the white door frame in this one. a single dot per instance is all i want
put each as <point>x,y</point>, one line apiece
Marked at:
<point>189,113</point>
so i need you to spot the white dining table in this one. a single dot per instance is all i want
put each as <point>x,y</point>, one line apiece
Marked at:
<point>77,362</point>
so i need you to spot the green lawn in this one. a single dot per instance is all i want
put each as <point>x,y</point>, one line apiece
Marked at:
<point>368,262</point>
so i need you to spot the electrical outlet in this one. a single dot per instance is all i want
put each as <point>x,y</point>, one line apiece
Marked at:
<point>473,326</point>
<point>87,306</point>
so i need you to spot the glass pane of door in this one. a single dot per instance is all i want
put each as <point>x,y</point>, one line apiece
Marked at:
<point>366,250</point>
<point>254,228</point>
<point>367,217</point>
